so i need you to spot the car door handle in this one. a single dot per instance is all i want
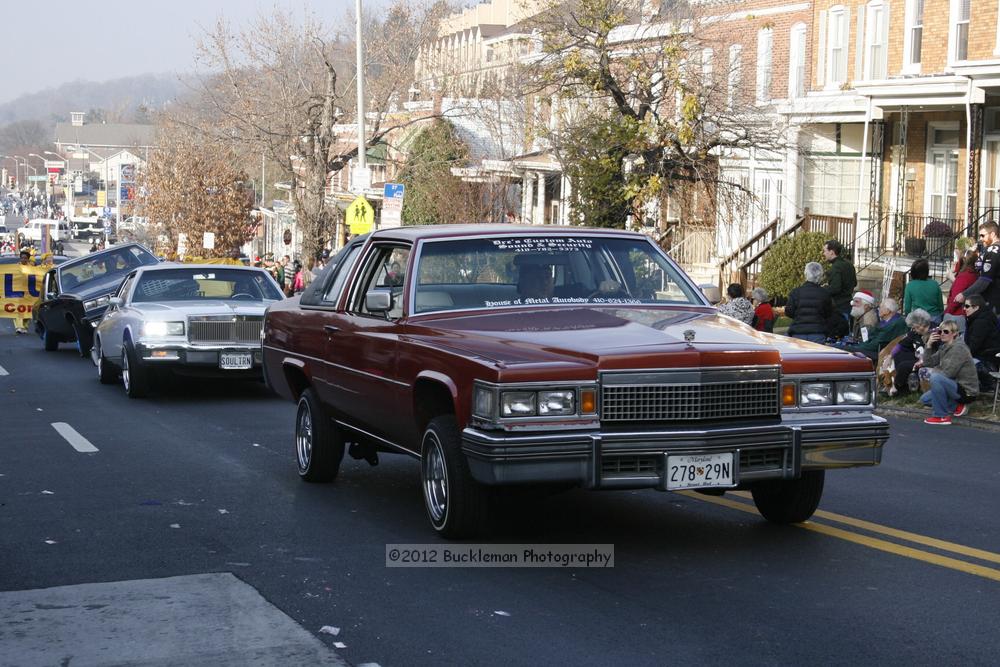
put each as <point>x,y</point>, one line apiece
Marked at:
<point>330,329</point>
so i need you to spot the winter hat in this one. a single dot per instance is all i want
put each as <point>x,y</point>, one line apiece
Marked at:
<point>866,296</point>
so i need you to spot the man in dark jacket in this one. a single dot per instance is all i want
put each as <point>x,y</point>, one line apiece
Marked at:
<point>809,306</point>
<point>982,331</point>
<point>841,278</point>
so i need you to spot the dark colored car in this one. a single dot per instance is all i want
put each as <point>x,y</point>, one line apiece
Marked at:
<point>501,355</point>
<point>75,294</point>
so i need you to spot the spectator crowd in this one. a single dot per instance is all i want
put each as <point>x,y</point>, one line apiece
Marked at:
<point>946,347</point>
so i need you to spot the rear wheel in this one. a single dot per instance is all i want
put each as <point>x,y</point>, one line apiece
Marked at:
<point>319,445</point>
<point>133,374</point>
<point>105,372</point>
<point>457,505</point>
<point>789,500</point>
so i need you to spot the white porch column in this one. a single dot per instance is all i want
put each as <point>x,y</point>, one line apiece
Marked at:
<point>540,204</point>
<point>793,172</point>
<point>527,188</point>
<point>566,196</point>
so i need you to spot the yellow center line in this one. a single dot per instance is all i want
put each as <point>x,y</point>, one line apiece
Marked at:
<point>932,542</point>
<point>871,542</point>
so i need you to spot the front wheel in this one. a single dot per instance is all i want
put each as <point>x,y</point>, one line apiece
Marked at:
<point>789,500</point>
<point>49,340</point>
<point>84,340</point>
<point>105,373</point>
<point>133,374</point>
<point>319,445</point>
<point>457,505</point>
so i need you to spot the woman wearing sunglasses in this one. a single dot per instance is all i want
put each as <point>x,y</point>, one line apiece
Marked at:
<point>953,375</point>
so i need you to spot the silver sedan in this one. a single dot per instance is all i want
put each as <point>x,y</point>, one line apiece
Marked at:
<point>193,319</point>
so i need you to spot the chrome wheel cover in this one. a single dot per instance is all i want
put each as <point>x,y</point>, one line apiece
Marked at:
<point>304,436</point>
<point>126,375</point>
<point>435,478</point>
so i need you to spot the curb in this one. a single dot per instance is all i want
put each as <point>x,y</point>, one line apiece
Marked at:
<point>969,422</point>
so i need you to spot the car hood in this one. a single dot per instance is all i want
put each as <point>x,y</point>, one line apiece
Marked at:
<point>611,338</point>
<point>201,308</point>
<point>97,287</point>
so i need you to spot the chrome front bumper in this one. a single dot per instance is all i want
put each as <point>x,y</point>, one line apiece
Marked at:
<point>188,354</point>
<point>637,459</point>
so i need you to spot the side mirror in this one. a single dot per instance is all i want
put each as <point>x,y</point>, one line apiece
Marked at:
<point>114,302</point>
<point>378,301</point>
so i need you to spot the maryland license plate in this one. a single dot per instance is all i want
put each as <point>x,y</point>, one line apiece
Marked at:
<point>235,361</point>
<point>698,471</point>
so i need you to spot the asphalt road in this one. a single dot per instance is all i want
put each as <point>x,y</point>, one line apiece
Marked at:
<point>201,479</point>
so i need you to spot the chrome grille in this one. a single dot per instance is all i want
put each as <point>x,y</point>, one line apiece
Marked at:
<point>690,395</point>
<point>762,459</point>
<point>624,465</point>
<point>229,330</point>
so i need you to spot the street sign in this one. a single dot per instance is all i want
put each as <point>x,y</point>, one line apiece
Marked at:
<point>360,216</point>
<point>38,177</point>
<point>182,243</point>
<point>208,242</point>
<point>392,205</point>
<point>362,178</point>
<point>107,210</point>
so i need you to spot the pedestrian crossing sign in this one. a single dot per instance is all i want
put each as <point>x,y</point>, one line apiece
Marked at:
<point>360,216</point>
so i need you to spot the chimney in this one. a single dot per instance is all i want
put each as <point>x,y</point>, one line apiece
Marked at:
<point>76,118</point>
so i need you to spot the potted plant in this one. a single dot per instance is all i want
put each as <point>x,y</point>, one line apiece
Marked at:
<point>914,247</point>
<point>937,233</point>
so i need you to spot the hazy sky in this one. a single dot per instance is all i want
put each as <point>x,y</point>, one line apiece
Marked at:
<point>46,44</point>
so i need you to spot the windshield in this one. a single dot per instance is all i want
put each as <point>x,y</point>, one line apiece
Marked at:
<point>546,270</point>
<point>204,285</point>
<point>103,266</point>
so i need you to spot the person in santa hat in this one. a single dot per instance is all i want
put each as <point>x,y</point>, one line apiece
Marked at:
<point>863,315</point>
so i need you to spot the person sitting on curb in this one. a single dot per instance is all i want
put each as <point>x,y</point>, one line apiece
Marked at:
<point>953,379</point>
<point>809,306</point>
<point>909,350</point>
<point>737,306</point>
<point>891,325</point>
<point>863,315</point>
<point>982,337</point>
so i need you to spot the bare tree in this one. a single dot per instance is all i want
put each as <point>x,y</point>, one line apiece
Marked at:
<point>286,89</point>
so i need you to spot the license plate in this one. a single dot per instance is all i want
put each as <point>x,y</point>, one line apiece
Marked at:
<point>698,471</point>
<point>235,361</point>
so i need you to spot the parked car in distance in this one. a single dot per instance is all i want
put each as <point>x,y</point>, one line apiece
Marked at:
<point>76,293</point>
<point>59,230</point>
<point>192,319</point>
<point>503,355</point>
<point>87,228</point>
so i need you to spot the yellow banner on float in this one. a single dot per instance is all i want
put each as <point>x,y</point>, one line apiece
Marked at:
<point>20,289</point>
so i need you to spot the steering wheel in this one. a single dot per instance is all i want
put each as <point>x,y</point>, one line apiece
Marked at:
<point>243,295</point>
<point>610,289</point>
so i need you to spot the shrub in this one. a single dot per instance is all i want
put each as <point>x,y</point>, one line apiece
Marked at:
<point>782,268</point>
<point>936,229</point>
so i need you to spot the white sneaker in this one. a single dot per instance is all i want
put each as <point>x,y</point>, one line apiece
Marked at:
<point>20,330</point>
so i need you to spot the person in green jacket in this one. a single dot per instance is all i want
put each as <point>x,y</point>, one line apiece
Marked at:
<point>841,279</point>
<point>891,324</point>
<point>922,292</point>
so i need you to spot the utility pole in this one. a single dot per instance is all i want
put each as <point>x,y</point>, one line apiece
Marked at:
<point>362,153</point>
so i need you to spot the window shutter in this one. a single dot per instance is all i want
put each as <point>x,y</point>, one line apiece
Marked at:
<point>821,51</point>
<point>846,41</point>
<point>885,41</point>
<point>859,47</point>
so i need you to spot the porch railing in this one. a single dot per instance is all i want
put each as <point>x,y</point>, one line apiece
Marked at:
<point>744,264</point>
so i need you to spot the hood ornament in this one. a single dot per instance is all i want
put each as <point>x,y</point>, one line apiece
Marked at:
<point>689,335</point>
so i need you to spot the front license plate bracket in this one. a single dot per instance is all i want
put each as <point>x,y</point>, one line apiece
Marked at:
<point>700,471</point>
<point>235,361</point>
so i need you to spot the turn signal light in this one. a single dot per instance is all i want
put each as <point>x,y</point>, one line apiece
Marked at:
<point>788,395</point>
<point>588,402</point>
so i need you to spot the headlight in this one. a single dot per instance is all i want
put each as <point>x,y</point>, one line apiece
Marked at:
<point>815,393</point>
<point>163,328</point>
<point>518,404</point>
<point>854,392</point>
<point>562,402</point>
<point>97,303</point>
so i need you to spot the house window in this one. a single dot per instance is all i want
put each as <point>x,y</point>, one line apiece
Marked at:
<point>706,67</point>
<point>797,61</point>
<point>914,32</point>
<point>735,65</point>
<point>961,12</point>
<point>942,165</point>
<point>836,41</point>
<point>765,45</point>
<point>875,41</point>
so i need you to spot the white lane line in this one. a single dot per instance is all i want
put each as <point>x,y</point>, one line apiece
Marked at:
<point>3,371</point>
<point>77,441</point>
